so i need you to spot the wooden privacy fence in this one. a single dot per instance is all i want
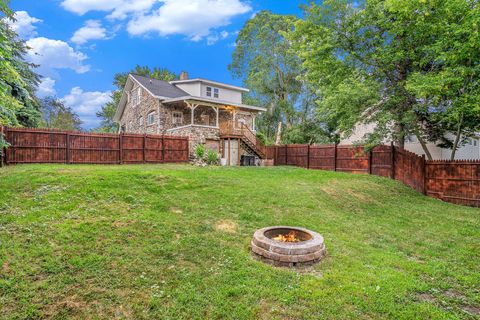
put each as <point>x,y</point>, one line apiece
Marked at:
<point>452,181</point>
<point>54,146</point>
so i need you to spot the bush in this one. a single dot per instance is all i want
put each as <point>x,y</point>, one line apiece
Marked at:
<point>200,151</point>
<point>212,157</point>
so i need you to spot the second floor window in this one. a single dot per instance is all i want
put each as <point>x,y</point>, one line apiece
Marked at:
<point>151,118</point>
<point>213,92</point>
<point>136,96</point>
<point>140,121</point>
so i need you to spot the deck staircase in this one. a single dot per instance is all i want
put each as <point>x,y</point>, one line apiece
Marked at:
<point>228,130</point>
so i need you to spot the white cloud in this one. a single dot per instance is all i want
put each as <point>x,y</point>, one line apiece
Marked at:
<point>24,25</point>
<point>92,30</point>
<point>46,88</point>
<point>213,38</point>
<point>192,18</point>
<point>52,54</point>
<point>119,9</point>
<point>86,105</point>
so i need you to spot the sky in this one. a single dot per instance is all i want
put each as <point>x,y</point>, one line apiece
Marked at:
<point>80,44</point>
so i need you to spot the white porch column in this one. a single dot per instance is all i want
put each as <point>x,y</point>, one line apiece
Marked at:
<point>216,111</point>
<point>192,108</point>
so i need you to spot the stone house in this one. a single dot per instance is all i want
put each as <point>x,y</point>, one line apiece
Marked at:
<point>207,112</point>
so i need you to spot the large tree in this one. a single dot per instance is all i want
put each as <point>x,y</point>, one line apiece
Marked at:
<point>55,114</point>
<point>371,63</point>
<point>108,110</point>
<point>18,81</point>
<point>264,61</point>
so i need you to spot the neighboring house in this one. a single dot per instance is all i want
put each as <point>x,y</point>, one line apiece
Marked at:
<point>208,112</point>
<point>468,151</point>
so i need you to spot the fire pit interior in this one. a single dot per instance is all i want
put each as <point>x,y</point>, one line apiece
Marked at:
<point>287,235</point>
<point>288,246</point>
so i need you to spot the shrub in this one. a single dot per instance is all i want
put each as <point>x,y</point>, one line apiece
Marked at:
<point>212,157</point>
<point>200,151</point>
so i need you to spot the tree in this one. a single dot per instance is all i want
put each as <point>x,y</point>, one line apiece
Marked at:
<point>371,62</point>
<point>108,110</point>
<point>18,82</point>
<point>55,114</point>
<point>263,59</point>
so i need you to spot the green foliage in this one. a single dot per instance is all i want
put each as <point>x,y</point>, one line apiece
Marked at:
<point>58,116</point>
<point>212,157</point>
<point>18,105</point>
<point>200,151</point>
<point>409,67</point>
<point>107,112</point>
<point>264,60</point>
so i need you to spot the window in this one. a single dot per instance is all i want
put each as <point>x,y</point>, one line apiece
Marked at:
<point>140,121</point>
<point>151,118</point>
<point>475,142</point>
<point>177,118</point>
<point>136,96</point>
<point>213,92</point>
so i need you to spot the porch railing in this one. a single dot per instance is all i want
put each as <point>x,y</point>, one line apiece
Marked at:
<point>229,128</point>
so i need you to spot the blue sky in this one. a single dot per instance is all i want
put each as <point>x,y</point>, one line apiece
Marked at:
<point>81,44</point>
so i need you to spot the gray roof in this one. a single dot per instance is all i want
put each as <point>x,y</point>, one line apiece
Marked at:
<point>160,88</point>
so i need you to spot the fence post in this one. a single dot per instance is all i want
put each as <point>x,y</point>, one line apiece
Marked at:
<point>67,142</point>
<point>308,156</point>
<point>5,154</point>
<point>424,172</point>
<point>2,151</point>
<point>120,148</point>
<point>392,148</point>
<point>286,154</point>
<point>335,158</point>
<point>163,148</point>
<point>370,156</point>
<point>144,146</point>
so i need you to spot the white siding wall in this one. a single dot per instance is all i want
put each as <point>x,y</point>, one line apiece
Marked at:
<point>468,151</point>
<point>192,88</point>
<point>224,94</point>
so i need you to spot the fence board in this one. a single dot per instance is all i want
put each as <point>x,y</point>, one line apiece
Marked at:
<point>56,146</point>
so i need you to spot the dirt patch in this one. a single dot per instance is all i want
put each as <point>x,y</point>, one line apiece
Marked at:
<point>452,293</point>
<point>426,297</point>
<point>471,309</point>
<point>5,267</point>
<point>228,226</point>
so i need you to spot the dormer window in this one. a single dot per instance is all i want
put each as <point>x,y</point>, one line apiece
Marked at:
<point>213,92</point>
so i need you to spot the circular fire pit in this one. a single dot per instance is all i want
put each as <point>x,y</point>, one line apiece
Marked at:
<point>288,246</point>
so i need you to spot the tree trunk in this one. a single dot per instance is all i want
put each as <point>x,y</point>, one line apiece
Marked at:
<point>400,135</point>
<point>424,145</point>
<point>457,138</point>
<point>278,138</point>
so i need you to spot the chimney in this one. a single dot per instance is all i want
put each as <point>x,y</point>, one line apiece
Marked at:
<point>184,75</point>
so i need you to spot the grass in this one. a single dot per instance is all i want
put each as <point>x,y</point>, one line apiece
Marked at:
<point>172,242</point>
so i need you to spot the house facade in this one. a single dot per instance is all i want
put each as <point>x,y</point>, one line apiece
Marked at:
<point>469,151</point>
<point>207,112</point>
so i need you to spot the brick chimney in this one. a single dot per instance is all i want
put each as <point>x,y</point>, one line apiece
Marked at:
<point>184,75</point>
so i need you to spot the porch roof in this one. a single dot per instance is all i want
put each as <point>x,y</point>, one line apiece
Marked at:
<point>215,102</point>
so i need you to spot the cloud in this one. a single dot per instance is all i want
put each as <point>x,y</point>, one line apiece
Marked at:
<point>92,30</point>
<point>86,105</point>
<point>52,54</point>
<point>213,38</point>
<point>119,9</point>
<point>24,25</point>
<point>192,18</point>
<point>46,88</point>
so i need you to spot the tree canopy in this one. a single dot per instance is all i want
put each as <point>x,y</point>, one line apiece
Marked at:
<point>409,67</point>
<point>56,115</point>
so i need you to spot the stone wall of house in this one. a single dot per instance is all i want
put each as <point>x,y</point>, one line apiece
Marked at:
<point>196,135</point>
<point>134,119</point>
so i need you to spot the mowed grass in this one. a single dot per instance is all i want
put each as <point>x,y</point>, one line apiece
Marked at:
<point>172,242</point>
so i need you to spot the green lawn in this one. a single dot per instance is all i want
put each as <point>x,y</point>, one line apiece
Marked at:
<point>172,242</point>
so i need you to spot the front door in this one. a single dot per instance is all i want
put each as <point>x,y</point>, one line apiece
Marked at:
<point>231,151</point>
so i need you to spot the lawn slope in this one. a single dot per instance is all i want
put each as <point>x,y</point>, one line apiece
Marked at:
<point>172,242</point>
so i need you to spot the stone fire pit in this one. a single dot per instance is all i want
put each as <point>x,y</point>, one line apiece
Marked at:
<point>288,246</point>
